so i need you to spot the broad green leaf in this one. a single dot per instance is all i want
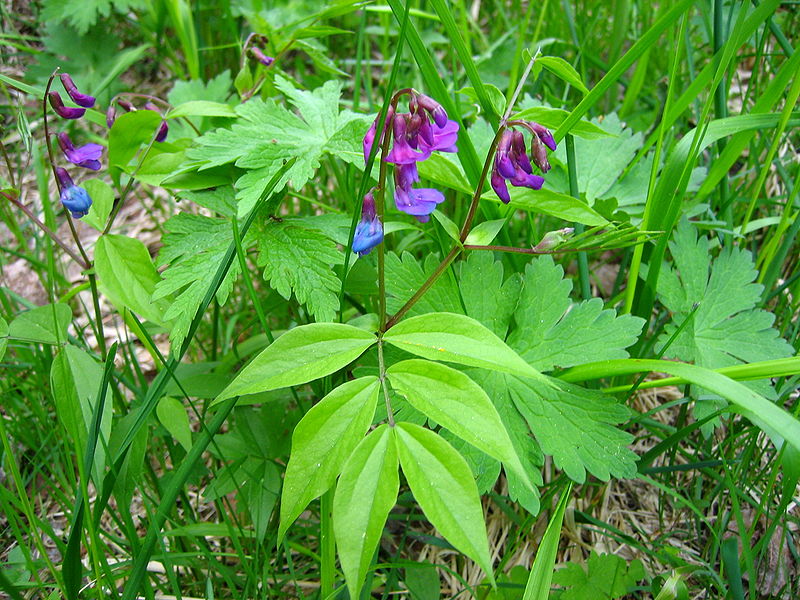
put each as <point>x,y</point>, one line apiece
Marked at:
<point>172,415</point>
<point>44,324</point>
<point>563,70</point>
<point>484,233</point>
<point>495,96</point>
<point>366,492</point>
<point>102,201</point>
<point>549,202</point>
<point>299,260</point>
<point>300,355</point>
<point>128,277</point>
<point>538,587</point>
<point>443,171</point>
<point>323,441</point>
<point>726,329</point>
<point>128,133</point>
<point>82,14</point>
<point>194,247</point>
<point>576,427</point>
<point>553,117</point>
<point>405,275</point>
<point>75,378</point>
<point>552,331</point>
<point>201,108</point>
<point>3,337</point>
<point>487,297</point>
<point>266,134</point>
<point>259,492</point>
<point>459,339</point>
<point>606,576</point>
<point>454,401</point>
<point>443,486</point>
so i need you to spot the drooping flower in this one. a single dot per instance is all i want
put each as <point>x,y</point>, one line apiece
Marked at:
<point>65,112</point>
<point>432,107</point>
<point>84,100</point>
<point>163,129</point>
<point>444,138</point>
<point>87,156</point>
<point>512,163</point>
<point>74,198</point>
<point>369,231</point>
<point>261,57</point>
<point>402,153</point>
<point>369,137</point>
<point>417,202</point>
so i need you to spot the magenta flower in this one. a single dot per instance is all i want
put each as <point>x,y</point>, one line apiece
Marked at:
<point>65,112</point>
<point>84,100</point>
<point>402,153</point>
<point>444,139</point>
<point>369,231</point>
<point>86,156</point>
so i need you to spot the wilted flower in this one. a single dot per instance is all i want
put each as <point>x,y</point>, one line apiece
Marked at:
<point>74,198</point>
<point>87,156</point>
<point>65,112</point>
<point>111,116</point>
<point>261,57</point>
<point>512,163</point>
<point>163,129</point>
<point>369,231</point>
<point>84,100</point>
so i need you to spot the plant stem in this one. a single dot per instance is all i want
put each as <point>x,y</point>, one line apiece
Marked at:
<point>382,377</point>
<point>327,545</point>
<point>583,260</point>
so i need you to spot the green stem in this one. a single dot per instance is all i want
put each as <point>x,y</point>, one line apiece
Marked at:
<point>327,545</point>
<point>382,377</point>
<point>583,260</point>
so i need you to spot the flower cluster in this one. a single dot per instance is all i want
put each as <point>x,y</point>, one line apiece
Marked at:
<point>415,135</point>
<point>511,161</point>
<point>74,198</point>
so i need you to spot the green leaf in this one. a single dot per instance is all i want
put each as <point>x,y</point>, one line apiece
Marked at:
<point>102,201</point>
<point>366,492</point>
<point>549,202</point>
<point>552,331</point>
<point>128,277</point>
<point>3,337</point>
<point>538,587</point>
<point>300,355</point>
<point>553,117</point>
<point>459,339</point>
<point>487,298</point>
<point>323,441</point>
<point>172,415</point>
<point>259,492</point>
<point>128,133</point>
<point>201,108</point>
<point>299,260</point>
<point>194,247</point>
<point>443,486</point>
<point>576,427</point>
<point>484,233</point>
<point>82,14</point>
<point>75,378</point>
<point>726,329</point>
<point>405,275</point>
<point>563,70</point>
<point>266,134</point>
<point>494,95</point>
<point>454,401</point>
<point>44,324</point>
<point>608,577</point>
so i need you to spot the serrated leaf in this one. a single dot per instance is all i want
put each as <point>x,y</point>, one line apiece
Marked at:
<point>405,275</point>
<point>45,324</point>
<point>487,298</point>
<point>266,134</point>
<point>366,492</point>
<point>128,277</point>
<point>576,427</point>
<point>298,356</point>
<point>553,332</point>
<point>82,14</point>
<point>459,339</point>
<point>607,577</point>
<point>443,486</point>
<point>194,246</point>
<point>299,260</point>
<point>457,403</point>
<point>323,441</point>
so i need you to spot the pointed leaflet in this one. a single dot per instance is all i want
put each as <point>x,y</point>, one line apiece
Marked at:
<point>454,401</point>
<point>405,275</point>
<point>459,339</point>
<point>322,441</point>
<point>46,324</point>
<point>266,134</point>
<point>366,492</point>
<point>443,486</point>
<point>300,355</point>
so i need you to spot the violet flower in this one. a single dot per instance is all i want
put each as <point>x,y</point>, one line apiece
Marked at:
<point>74,198</point>
<point>65,112</point>
<point>369,231</point>
<point>444,139</point>
<point>111,116</point>
<point>163,129</point>
<point>402,153</point>
<point>86,156</point>
<point>261,57</point>
<point>84,100</point>
<point>512,163</point>
<point>417,202</point>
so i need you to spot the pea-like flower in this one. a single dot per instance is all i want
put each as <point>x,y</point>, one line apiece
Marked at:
<point>74,198</point>
<point>512,163</point>
<point>84,100</point>
<point>65,112</point>
<point>86,156</point>
<point>369,231</point>
<point>163,129</point>
<point>259,55</point>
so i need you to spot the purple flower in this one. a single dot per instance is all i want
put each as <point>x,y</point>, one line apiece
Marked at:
<point>444,139</point>
<point>520,156</point>
<point>502,161</point>
<point>417,202</point>
<point>402,153</point>
<point>539,154</point>
<point>369,231</point>
<point>369,138</point>
<point>87,156</point>
<point>111,116</point>
<point>499,186</point>
<point>65,112</point>
<point>433,108</point>
<point>406,175</point>
<point>74,198</point>
<point>523,179</point>
<point>84,100</point>
<point>512,164</point>
<point>543,133</point>
<point>163,129</point>
<point>261,57</point>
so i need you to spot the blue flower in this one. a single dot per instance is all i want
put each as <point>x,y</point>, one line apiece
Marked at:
<point>74,198</point>
<point>369,231</point>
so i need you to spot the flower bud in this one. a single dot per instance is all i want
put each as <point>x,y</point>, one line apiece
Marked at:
<point>111,116</point>
<point>84,100</point>
<point>261,57</point>
<point>65,112</point>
